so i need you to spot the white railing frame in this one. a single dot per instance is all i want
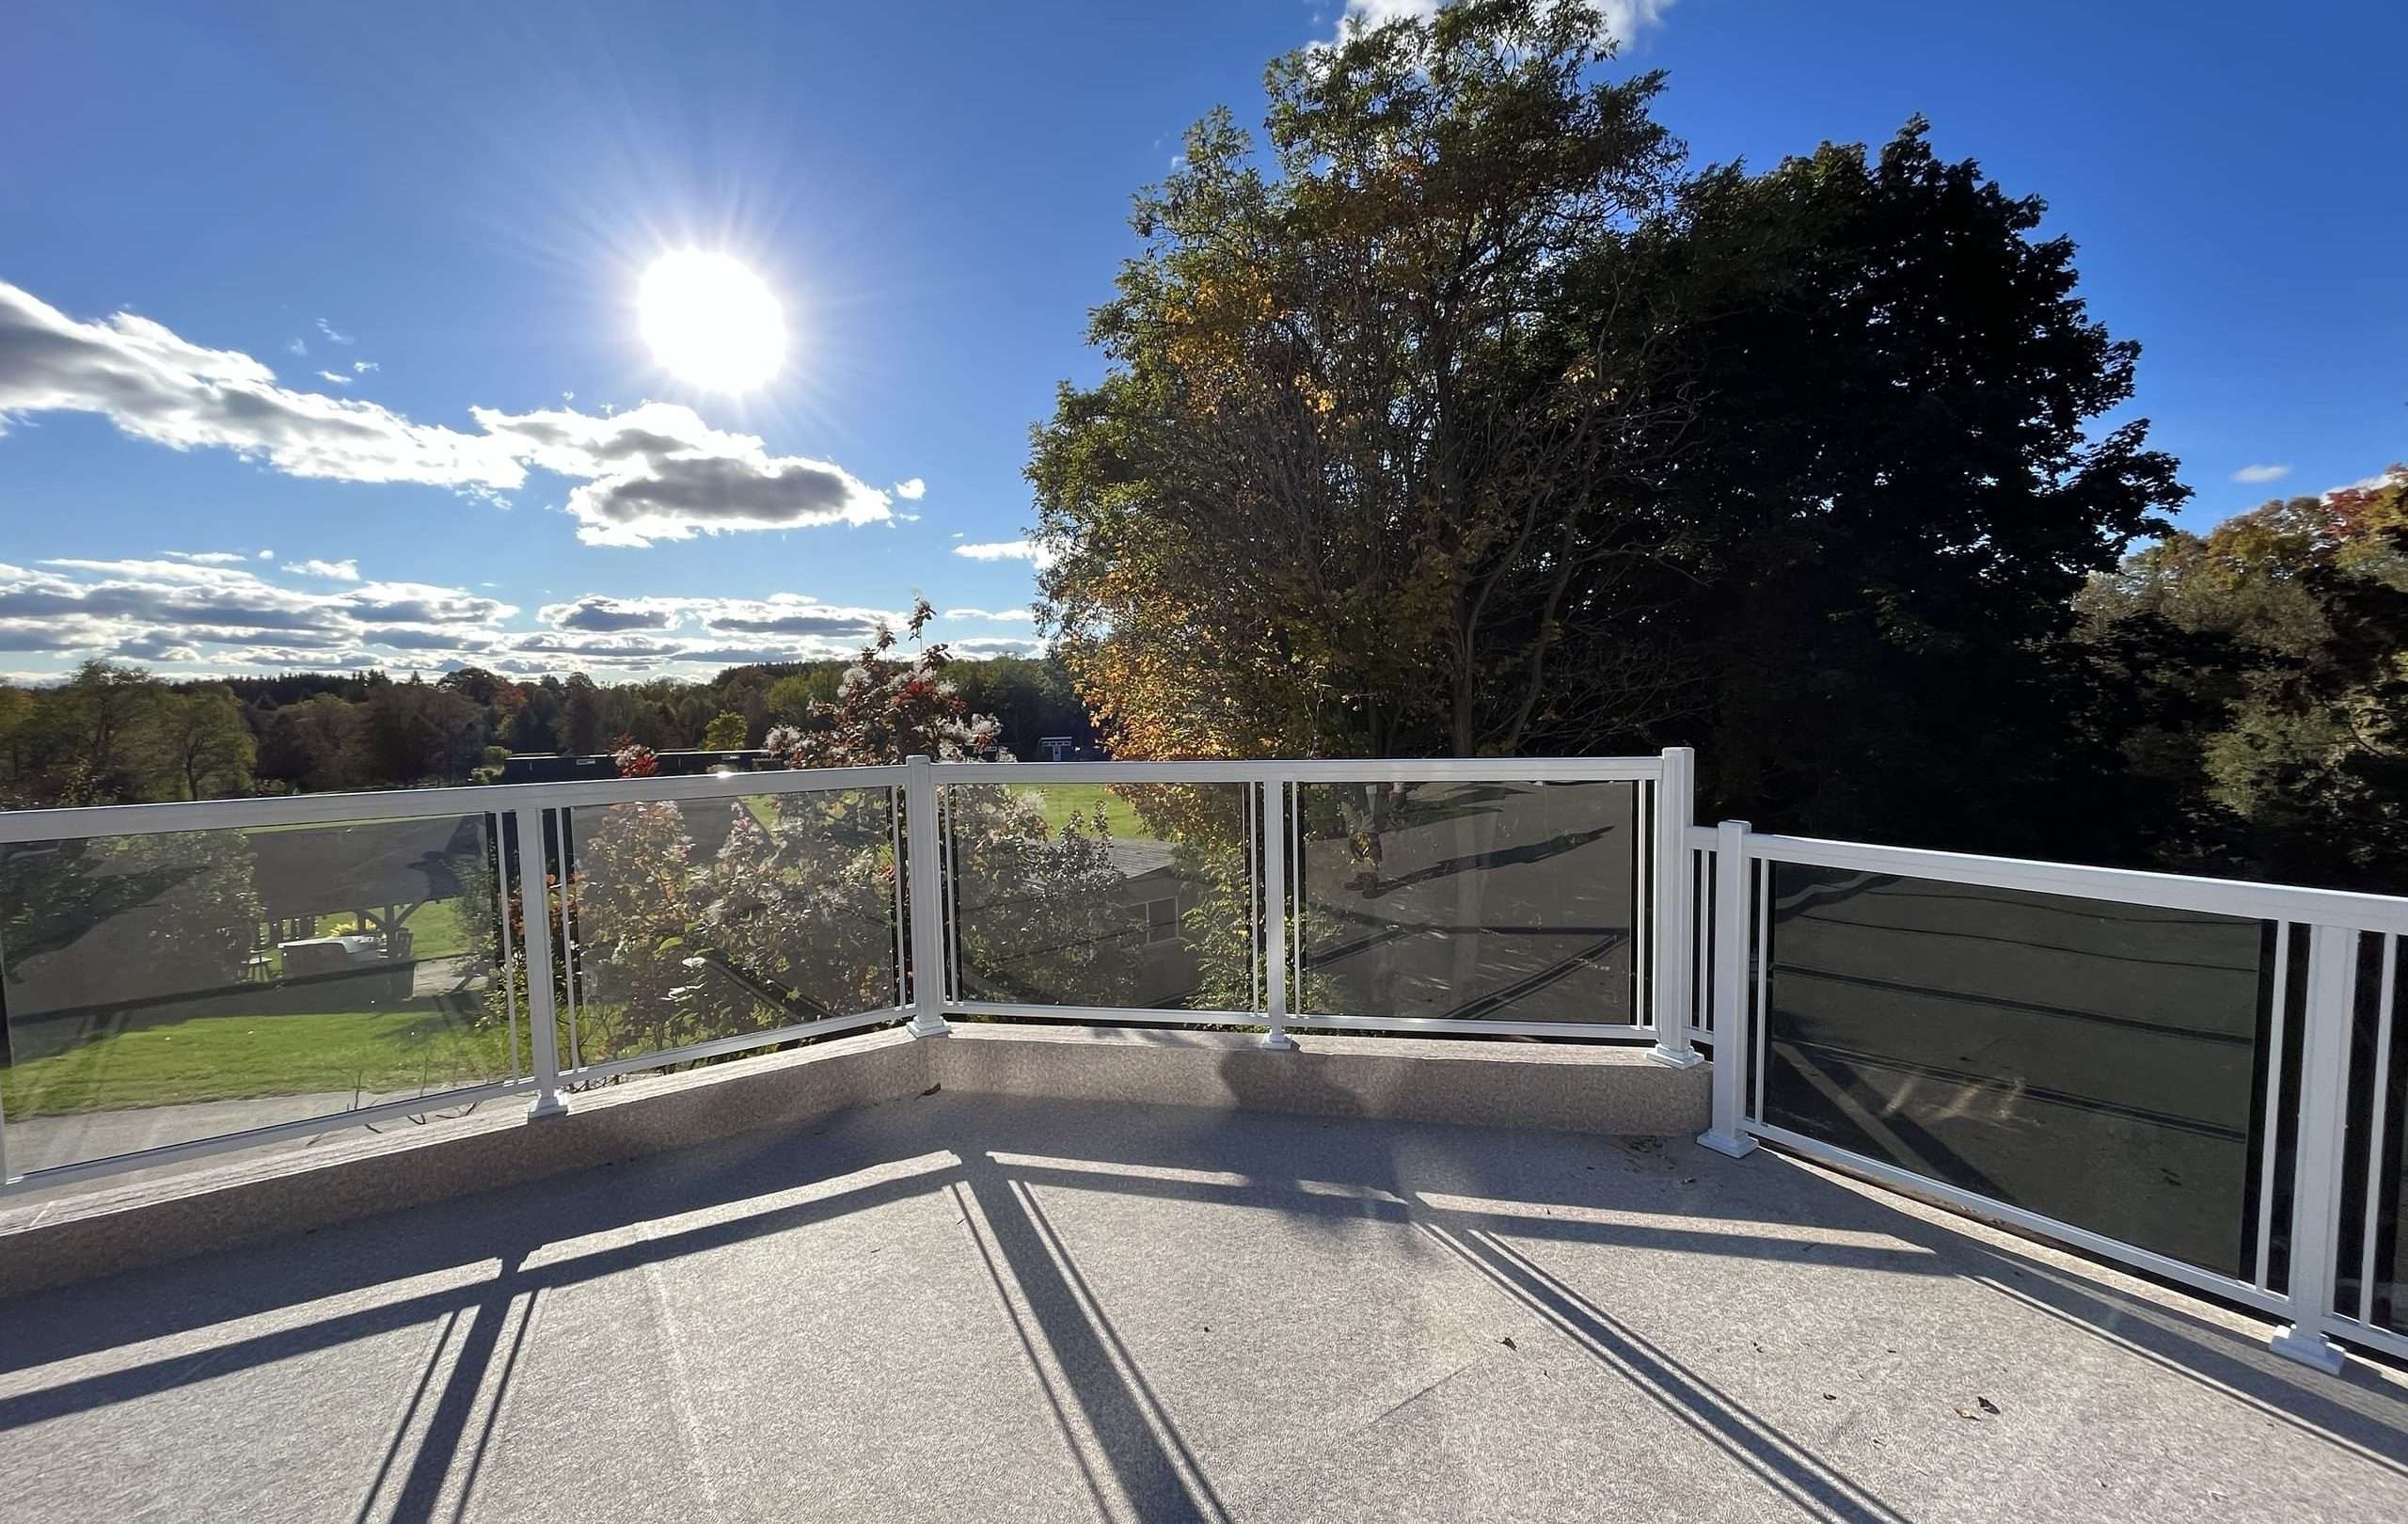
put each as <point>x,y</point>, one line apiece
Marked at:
<point>920,839</point>
<point>1670,958</point>
<point>2335,919</point>
<point>1675,805</point>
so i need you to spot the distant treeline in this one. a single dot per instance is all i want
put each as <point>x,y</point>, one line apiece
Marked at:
<point>117,734</point>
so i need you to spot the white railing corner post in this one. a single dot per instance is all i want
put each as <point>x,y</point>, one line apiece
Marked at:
<point>1733,1039</point>
<point>1675,805</point>
<point>2324,1102</point>
<point>1277,830</point>
<point>925,903</point>
<point>535,946</point>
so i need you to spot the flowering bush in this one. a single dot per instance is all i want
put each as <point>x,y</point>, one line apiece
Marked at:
<point>706,920</point>
<point>635,759</point>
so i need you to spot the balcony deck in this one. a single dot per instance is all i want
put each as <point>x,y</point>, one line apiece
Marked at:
<point>971,1307</point>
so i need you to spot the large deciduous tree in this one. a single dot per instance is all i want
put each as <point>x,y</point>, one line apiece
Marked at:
<point>2291,751</point>
<point>1468,423</point>
<point>1360,478</point>
<point>1895,484</point>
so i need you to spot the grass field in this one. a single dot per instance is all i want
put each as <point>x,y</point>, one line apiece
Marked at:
<point>162,1061</point>
<point>434,928</point>
<point>1061,801</point>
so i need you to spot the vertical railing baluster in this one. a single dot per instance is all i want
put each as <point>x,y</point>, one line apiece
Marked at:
<point>1675,803</point>
<point>2278,1007</point>
<point>1274,919</point>
<point>1731,1036</point>
<point>929,930</point>
<point>894,848</point>
<point>2378,1103</point>
<point>508,972</point>
<point>2323,1114</point>
<point>535,912</point>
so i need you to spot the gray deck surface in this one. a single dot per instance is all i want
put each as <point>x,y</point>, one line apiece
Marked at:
<point>957,1309</point>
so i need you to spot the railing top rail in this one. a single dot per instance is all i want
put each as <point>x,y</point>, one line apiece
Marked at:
<point>2131,886</point>
<point>418,803</point>
<point>1340,770</point>
<point>477,798</point>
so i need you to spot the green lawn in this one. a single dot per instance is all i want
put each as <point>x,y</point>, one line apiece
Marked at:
<point>434,928</point>
<point>167,1060</point>
<point>1061,801</point>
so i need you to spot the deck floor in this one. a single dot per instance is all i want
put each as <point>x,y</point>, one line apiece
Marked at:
<point>963,1309</point>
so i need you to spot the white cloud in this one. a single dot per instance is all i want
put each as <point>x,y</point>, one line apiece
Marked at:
<point>297,346</point>
<point>1028,550</point>
<point>336,377</point>
<point>363,367</point>
<point>207,558</point>
<point>206,617</point>
<point>654,473</point>
<point>912,490</point>
<point>784,615</point>
<point>2259,475</point>
<point>996,645</point>
<point>332,336</point>
<point>267,555</point>
<point>1001,617</point>
<point>1622,20</point>
<point>659,472</point>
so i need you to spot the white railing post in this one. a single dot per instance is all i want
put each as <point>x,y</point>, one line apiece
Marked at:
<point>1733,940</point>
<point>2323,1109</point>
<point>1675,803</point>
<point>535,917</point>
<point>926,906</point>
<point>1277,831</point>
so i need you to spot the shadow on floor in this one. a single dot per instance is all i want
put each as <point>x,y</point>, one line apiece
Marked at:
<point>1484,1195</point>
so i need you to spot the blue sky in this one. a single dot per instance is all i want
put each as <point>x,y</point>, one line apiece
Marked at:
<point>465,199</point>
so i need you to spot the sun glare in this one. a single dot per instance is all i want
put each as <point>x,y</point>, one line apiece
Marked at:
<point>711,322</point>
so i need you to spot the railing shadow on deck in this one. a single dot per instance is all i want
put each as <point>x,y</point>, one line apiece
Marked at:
<point>1484,1195</point>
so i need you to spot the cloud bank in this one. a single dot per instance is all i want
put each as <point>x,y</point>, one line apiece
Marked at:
<point>655,472</point>
<point>207,617</point>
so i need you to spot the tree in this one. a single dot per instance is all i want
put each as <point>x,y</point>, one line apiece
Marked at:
<point>580,725</point>
<point>1473,429</point>
<point>726,733</point>
<point>2292,758</point>
<point>1358,480</point>
<point>200,745</point>
<point>316,745</point>
<point>94,728</point>
<point>1892,492</point>
<point>126,918</point>
<point>414,732</point>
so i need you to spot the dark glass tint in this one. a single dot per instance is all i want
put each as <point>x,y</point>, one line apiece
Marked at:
<point>2092,1062</point>
<point>2375,1144</point>
<point>1469,901</point>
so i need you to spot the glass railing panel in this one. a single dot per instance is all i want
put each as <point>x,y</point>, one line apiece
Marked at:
<point>1131,895</point>
<point>1469,901</point>
<point>167,988</point>
<point>2094,1062</point>
<point>2372,1260</point>
<point>700,920</point>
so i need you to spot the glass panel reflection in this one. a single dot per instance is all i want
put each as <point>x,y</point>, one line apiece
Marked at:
<point>2090,1061</point>
<point>701,919</point>
<point>167,988</point>
<point>1469,901</point>
<point>1137,896</point>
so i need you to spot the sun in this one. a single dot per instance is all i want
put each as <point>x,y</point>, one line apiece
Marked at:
<point>711,322</point>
